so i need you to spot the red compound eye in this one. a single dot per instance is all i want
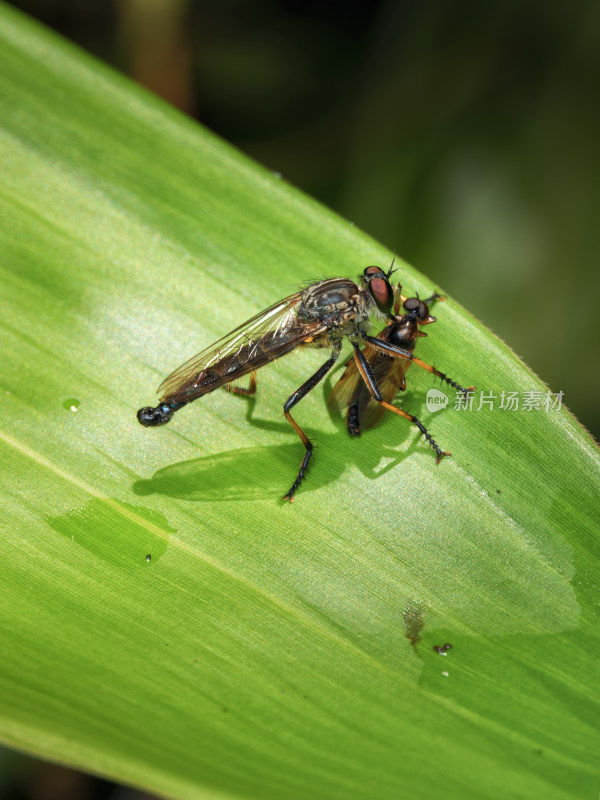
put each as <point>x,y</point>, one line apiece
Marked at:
<point>382,293</point>
<point>380,288</point>
<point>373,271</point>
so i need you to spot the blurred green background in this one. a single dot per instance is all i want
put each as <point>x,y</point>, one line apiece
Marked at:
<point>463,135</point>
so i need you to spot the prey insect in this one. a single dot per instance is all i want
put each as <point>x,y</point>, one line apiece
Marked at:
<point>371,381</point>
<point>322,315</point>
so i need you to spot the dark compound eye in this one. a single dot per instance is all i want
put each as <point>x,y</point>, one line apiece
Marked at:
<point>414,304</point>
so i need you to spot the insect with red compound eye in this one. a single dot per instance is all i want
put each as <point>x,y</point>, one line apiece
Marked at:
<point>369,385</point>
<point>321,315</point>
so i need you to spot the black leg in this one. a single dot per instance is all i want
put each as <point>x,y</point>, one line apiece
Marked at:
<point>435,296</point>
<point>366,372</point>
<point>400,298</point>
<point>367,375</point>
<point>294,398</point>
<point>387,348</point>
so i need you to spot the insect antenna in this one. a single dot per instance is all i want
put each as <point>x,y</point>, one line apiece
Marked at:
<point>391,269</point>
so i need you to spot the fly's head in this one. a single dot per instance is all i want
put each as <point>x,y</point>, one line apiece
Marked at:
<point>379,289</point>
<point>418,311</point>
<point>404,328</point>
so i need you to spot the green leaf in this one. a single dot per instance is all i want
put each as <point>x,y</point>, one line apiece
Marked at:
<point>264,649</point>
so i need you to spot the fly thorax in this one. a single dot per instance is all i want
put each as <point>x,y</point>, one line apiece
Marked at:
<point>403,334</point>
<point>335,302</point>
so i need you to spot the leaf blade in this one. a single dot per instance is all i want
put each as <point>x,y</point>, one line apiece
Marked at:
<point>134,237</point>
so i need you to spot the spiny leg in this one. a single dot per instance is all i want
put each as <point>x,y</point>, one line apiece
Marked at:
<point>371,384</point>
<point>435,296</point>
<point>230,387</point>
<point>400,298</point>
<point>428,300</point>
<point>294,398</point>
<point>443,376</point>
<point>398,352</point>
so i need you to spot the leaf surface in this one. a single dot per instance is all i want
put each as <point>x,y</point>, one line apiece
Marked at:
<point>168,620</point>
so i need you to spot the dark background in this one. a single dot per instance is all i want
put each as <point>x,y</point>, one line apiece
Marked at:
<point>463,135</point>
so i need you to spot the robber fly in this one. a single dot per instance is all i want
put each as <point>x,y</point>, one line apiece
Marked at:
<point>321,315</point>
<point>353,394</point>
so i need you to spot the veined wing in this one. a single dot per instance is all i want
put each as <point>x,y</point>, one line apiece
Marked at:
<point>351,390</point>
<point>263,338</point>
<point>389,374</point>
<point>347,390</point>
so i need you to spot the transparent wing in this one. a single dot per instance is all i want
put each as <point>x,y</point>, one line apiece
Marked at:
<point>264,338</point>
<point>347,390</point>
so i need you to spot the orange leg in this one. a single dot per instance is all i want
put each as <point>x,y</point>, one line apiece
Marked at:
<point>241,389</point>
<point>442,375</point>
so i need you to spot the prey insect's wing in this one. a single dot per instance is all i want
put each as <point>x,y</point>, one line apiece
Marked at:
<point>389,374</point>
<point>346,392</point>
<point>263,338</point>
<point>351,390</point>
